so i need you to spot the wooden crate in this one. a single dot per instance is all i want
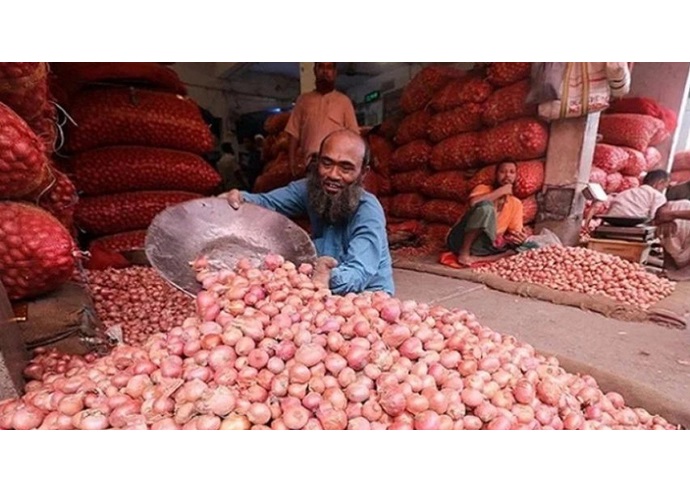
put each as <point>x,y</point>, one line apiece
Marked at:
<point>631,251</point>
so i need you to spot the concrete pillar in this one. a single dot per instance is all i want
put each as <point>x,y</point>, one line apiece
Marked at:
<point>667,83</point>
<point>13,355</point>
<point>307,79</point>
<point>568,165</point>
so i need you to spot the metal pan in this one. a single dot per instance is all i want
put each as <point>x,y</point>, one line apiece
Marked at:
<point>210,227</point>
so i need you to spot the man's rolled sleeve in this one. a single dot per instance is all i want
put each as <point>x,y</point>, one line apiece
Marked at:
<point>363,257</point>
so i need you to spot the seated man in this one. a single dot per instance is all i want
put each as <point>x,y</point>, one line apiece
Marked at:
<point>348,223</point>
<point>674,234</point>
<point>493,224</point>
<point>642,202</point>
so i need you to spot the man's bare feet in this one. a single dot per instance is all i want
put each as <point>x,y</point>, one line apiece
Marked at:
<point>468,260</point>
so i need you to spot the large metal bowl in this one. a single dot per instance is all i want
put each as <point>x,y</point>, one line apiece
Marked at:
<point>210,227</point>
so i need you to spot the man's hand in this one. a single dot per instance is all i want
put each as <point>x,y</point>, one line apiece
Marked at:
<point>664,216</point>
<point>234,198</point>
<point>322,271</point>
<point>506,189</point>
<point>516,237</point>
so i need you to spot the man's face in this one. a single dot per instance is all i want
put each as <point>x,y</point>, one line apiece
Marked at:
<point>340,163</point>
<point>325,72</point>
<point>506,173</point>
<point>335,185</point>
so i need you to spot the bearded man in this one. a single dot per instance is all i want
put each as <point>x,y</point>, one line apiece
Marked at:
<point>348,223</point>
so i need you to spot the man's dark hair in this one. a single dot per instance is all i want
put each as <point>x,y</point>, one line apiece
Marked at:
<point>655,176</point>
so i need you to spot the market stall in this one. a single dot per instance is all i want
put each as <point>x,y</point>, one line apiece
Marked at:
<point>264,347</point>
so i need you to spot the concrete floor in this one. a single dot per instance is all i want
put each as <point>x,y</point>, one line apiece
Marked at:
<point>649,364</point>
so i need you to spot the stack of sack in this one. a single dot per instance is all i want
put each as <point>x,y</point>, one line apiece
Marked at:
<point>458,126</point>
<point>134,143</point>
<point>37,250</point>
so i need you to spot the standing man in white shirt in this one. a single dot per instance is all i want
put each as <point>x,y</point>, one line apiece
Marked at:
<point>317,114</point>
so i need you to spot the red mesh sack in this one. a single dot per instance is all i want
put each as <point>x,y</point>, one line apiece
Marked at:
<point>635,163</point>
<point>129,211</point>
<point>519,139</point>
<point>46,128</point>
<point>271,180</point>
<point>443,211</point>
<point>372,182</point>
<point>530,178</point>
<point>453,122</point>
<point>451,185</point>
<point>414,155</point>
<point>506,73</point>
<point>24,88</point>
<point>609,158</point>
<point>459,92</point>
<point>276,123</point>
<point>659,137</point>
<point>457,152</point>
<point>437,233</point>
<point>629,182</point>
<point>23,164</point>
<point>58,196</point>
<point>389,127</point>
<point>409,182</point>
<point>508,103</point>
<point>268,149</point>
<point>121,242</point>
<point>385,186</point>
<point>127,169</point>
<point>407,205</point>
<point>647,106</point>
<point>629,130</point>
<point>119,116</point>
<point>428,81</point>
<point>281,143</point>
<point>598,176</point>
<point>385,204</point>
<point>652,157</point>
<point>484,176</point>
<point>74,76</point>
<point>613,182</point>
<point>36,251</point>
<point>530,208</point>
<point>408,226</point>
<point>381,152</point>
<point>101,258</point>
<point>413,127</point>
<point>680,176</point>
<point>681,161</point>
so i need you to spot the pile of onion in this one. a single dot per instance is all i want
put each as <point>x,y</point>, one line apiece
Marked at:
<point>268,350</point>
<point>576,269</point>
<point>139,300</point>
